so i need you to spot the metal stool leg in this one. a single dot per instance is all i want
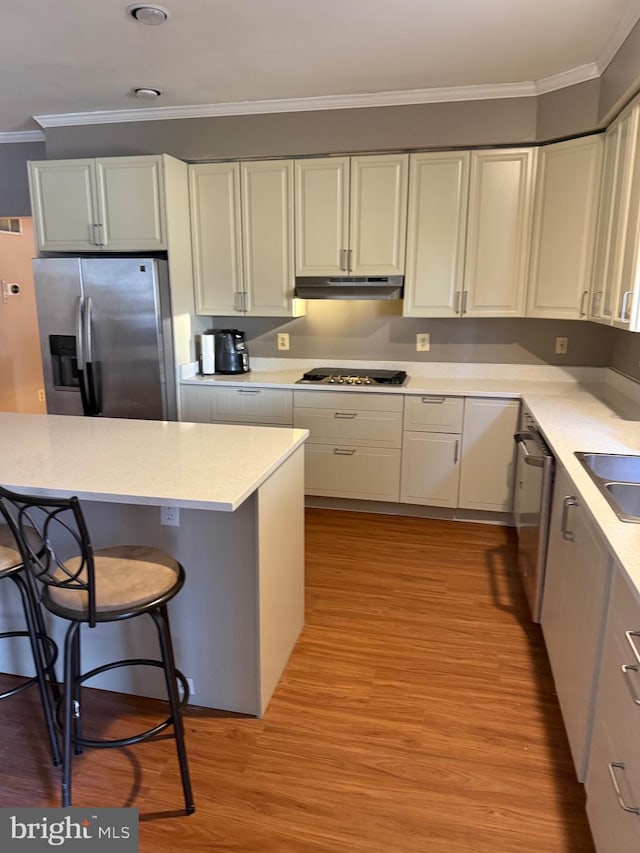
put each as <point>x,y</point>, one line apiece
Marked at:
<point>68,724</point>
<point>36,632</point>
<point>161,619</point>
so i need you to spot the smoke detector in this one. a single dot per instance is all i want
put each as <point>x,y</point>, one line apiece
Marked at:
<point>152,16</point>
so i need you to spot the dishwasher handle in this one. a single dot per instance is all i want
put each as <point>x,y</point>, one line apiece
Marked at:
<point>535,459</point>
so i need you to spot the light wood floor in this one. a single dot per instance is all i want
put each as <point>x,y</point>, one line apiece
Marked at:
<point>417,715</point>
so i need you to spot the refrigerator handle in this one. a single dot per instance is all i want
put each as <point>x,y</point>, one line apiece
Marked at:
<point>94,405</point>
<point>86,409</point>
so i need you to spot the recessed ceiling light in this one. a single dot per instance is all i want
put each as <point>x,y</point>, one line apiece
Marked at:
<point>147,93</point>
<point>153,16</point>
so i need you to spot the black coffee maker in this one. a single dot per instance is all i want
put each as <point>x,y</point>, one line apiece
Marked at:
<point>231,355</point>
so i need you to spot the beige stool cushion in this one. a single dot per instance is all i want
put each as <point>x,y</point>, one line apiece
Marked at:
<point>126,576</point>
<point>9,553</point>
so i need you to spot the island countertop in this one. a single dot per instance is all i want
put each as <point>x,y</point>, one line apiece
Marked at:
<point>156,463</point>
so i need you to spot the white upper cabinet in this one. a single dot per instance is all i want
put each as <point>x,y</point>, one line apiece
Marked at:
<point>351,215</point>
<point>242,238</point>
<point>112,204</point>
<point>564,228</point>
<point>498,232</point>
<point>436,233</point>
<point>626,283</point>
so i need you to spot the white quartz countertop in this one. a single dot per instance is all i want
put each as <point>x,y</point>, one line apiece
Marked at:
<point>577,409</point>
<point>197,466</point>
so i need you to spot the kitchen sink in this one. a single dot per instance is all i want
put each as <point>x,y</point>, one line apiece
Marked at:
<point>617,475</point>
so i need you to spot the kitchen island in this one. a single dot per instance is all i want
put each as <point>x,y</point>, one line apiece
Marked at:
<point>237,494</point>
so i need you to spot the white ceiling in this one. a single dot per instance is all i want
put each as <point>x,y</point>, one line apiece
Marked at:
<point>61,58</point>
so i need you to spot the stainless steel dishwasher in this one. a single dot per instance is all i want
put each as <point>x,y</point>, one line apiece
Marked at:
<point>532,507</point>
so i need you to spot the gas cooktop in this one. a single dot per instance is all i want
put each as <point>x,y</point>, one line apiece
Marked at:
<point>352,376</point>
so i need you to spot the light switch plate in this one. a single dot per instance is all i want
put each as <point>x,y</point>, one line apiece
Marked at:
<point>562,345</point>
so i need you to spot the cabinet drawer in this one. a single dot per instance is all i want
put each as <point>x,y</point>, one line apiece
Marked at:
<point>364,401</point>
<point>254,405</point>
<point>351,425</point>
<point>266,406</point>
<point>433,413</point>
<point>365,473</point>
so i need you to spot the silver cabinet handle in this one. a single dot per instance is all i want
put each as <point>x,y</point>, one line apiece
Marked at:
<point>465,293</point>
<point>456,448</point>
<point>623,308</point>
<point>582,302</point>
<point>350,260</point>
<point>237,300</point>
<point>458,308</point>
<point>253,391</point>
<point>344,451</point>
<point>348,415</point>
<point>618,765</point>
<point>344,264</point>
<point>625,671</point>
<point>433,399</point>
<point>568,503</point>
<point>630,635</point>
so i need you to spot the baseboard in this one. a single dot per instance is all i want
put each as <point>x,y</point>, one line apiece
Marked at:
<point>504,519</point>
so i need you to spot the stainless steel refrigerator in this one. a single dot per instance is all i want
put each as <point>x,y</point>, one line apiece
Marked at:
<point>106,337</point>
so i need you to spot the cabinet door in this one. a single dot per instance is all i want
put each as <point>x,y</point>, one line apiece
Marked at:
<point>436,234</point>
<point>130,196</point>
<point>430,468</point>
<point>573,609</point>
<point>615,746</point>
<point>610,234</point>
<point>488,453</point>
<point>378,214</point>
<point>214,198</point>
<point>627,298</point>
<point>568,184</point>
<point>322,216</point>
<point>498,232</point>
<point>62,201</point>
<point>267,245</point>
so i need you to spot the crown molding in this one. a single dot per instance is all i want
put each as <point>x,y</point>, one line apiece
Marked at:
<point>325,102</point>
<point>581,74</point>
<point>22,136</point>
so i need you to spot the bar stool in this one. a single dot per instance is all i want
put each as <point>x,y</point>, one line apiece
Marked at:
<point>43,649</point>
<point>88,587</point>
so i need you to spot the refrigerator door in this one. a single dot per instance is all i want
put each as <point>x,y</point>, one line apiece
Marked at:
<point>127,342</point>
<point>58,284</point>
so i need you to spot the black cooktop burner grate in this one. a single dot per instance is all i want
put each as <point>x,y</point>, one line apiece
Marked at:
<point>353,376</point>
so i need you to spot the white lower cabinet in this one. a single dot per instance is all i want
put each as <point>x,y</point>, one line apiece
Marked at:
<point>613,777</point>
<point>573,612</point>
<point>431,450</point>
<point>233,404</point>
<point>354,446</point>
<point>487,462</point>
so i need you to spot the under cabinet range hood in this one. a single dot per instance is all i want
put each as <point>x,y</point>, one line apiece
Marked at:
<point>350,287</point>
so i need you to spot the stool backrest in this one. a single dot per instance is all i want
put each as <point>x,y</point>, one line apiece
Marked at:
<point>50,532</point>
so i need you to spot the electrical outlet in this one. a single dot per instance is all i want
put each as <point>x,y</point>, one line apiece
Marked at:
<point>41,395</point>
<point>283,340</point>
<point>423,342</point>
<point>562,345</point>
<point>170,515</point>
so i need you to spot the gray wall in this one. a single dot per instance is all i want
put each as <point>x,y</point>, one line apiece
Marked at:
<point>377,330</point>
<point>14,185</point>
<point>463,124</point>
<point>620,81</point>
<point>625,354</point>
